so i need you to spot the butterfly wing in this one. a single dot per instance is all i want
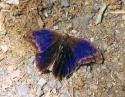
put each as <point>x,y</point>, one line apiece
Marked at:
<point>85,52</point>
<point>65,63</point>
<point>46,42</point>
<point>44,59</point>
<point>75,52</point>
<point>43,39</point>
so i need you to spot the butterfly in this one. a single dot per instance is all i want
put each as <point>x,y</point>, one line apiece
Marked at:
<point>63,52</point>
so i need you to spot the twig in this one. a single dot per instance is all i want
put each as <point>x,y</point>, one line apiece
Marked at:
<point>118,12</point>
<point>100,14</point>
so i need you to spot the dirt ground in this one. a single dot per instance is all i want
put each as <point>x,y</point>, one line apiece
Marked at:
<point>19,76</point>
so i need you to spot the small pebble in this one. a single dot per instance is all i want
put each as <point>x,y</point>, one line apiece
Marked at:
<point>22,91</point>
<point>16,74</point>
<point>123,1</point>
<point>69,26</point>
<point>3,33</point>
<point>123,17</point>
<point>121,76</point>
<point>64,95</point>
<point>54,91</point>
<point>81,22</point>
<point>16,2</point>
<point>39,92</point>
<point>52,83</point>
<point>42,82</point>
<point>46,14</point>
<point>4,6</point>
<point>56,27</point>
<point>4,48</point>
<point>65,3</point>
<point>74,31</point>
<point>92,39</point>
<point>48,94</point>
<point>59,85</point>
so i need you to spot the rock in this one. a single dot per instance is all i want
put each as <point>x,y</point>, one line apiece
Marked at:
<point>123,1</point>
<point>58,85</point>
<point>16,74</point>
<point>16,2</point>
<point>46,14</point>
<point>48,94</point>
<point>54,91</point>
<point>22,91</point>
<point>81,22</point>
<point>52,83</point>
<point>74,31</point>
<point>64,95</point>
<point>3,33</point>
<point>123,17</point>
<point>65,3</point>
<point>121,76</point>
<point>30,60</point>
<point>56,27</point>
<point>39,92</point>
<point>42,82</point>
<point>47,88</point>
<point>4,48</point>
<point>92,39</point>
<point>4,6</point>
<point>77,93</point>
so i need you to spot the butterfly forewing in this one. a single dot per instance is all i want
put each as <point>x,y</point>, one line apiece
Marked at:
<point>46,43</point>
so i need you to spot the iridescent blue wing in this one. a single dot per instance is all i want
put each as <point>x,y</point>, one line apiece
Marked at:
<point>46,58</point>
<point>75,52</point>
<point>85,52</point>
<point>46,43</point>
<point>43,39</point>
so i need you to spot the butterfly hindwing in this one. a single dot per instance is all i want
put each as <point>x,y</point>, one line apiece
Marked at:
<point>65,63</point>
<point>84,51</point>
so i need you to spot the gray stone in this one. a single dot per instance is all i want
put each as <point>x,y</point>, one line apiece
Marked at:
<point>123,17</point>
<point>42,82</point>
<point>16,2</point>
<point>81,22</point>
<point>3,33</point>
<point>64,95</point>
<point>52,83</point>
<point>58,85</point>
<point>123,1</point>
<point>4,6</point>
<point>39,92</point>
<point>22,90</point>
<point>65,3</point>
<point>121,76</point>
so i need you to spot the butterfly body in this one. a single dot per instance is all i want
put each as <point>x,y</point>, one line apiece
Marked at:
<point>64,52</point>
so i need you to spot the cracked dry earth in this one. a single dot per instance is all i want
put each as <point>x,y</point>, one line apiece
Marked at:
<point>18,74</point>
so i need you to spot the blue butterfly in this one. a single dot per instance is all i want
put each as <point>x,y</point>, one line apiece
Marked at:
<point>65,53</point>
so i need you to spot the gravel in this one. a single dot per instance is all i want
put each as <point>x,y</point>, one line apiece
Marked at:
<point>65,3</point>
<point>19,76</point>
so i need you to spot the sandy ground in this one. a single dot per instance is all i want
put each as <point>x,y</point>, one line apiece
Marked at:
<point>18,74</point>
